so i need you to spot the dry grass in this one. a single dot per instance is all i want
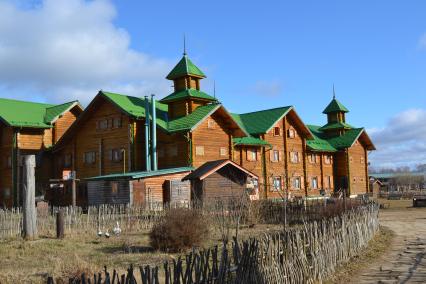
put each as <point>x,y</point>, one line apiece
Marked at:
<point>376,248</point>
<point>31,261</point>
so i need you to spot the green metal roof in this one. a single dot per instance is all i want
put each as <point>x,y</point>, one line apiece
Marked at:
<point>188,93</point>
<point>336,125</point>
<point>52,113</point>
<point>335,106</point>
<point>260,122</point>
<point>319,143</point>
<point>250,141</point>
<point>29,114</point>
<point>183,68</point>
<point>190,121</point>
<point>142,174</point>
<point>347,139</point>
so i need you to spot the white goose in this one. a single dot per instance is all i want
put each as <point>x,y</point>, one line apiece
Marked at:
<point>117,229</point>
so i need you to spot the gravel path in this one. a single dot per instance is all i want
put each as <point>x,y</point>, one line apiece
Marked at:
<point>405,261</point>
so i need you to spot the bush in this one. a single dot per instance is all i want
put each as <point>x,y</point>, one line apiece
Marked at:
<point>180,229</point>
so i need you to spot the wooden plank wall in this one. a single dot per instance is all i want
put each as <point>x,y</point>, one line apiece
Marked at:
<point>223,184</point>
<point>6,138</point>
<point>357,166</point>
<point>100,192</point>
<point>64,122</point>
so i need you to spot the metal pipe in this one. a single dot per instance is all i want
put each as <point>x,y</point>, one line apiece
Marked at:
<point>154,135</point>
<point>147,154</point>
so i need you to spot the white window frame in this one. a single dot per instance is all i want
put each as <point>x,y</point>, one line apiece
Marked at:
<point>294,157</point>
<point>276,183</point>
<point>296,181</point>
<point>314,182</point>
<point>291,133</point>
<point>223,151</point>
<point>199,150</point>
<point>211,124</point>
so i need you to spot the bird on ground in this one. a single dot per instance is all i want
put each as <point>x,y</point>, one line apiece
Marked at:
<point>100,233</point>
<point>117,229</point>
<point>107,234</point>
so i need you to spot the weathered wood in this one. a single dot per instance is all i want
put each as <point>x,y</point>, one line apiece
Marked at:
<point>60,225</point>
<point>29,210</point>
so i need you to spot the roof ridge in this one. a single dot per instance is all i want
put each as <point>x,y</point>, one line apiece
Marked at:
<point>70,102</point>
<point>289,106</point>
<point>29,102</point>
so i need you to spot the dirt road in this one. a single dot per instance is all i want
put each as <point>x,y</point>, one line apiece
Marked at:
<point>405,261</point>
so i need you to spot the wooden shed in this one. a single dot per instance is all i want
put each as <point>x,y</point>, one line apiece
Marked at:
<point>148,188</point>
<point>221,179</point>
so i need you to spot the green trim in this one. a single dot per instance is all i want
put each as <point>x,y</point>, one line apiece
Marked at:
<point>186,94</point>
<point>336,125</point>
<point>250,141</point>
<point>140,175</point>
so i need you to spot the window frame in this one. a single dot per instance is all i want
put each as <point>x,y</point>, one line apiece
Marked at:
<point>251,154</point>
<point>274,188</point>
<point>291,133</point>
<point>92,155</point>
<point>275,129</point>
<point>199,150</point>
<point>294,154</point>
<point>223,152</point>
<point>293,183</point>
<point>316,183</point>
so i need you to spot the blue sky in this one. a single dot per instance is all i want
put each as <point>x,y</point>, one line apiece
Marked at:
<point>261,55</point>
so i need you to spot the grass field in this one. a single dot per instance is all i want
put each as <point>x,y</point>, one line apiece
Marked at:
<point>31,261</point>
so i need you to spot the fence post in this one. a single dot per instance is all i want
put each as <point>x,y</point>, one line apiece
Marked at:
<point>60,224</point>
<point>29,209</point>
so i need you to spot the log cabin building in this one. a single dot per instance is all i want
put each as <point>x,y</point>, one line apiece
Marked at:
<point>30,128</point>
<point>119,134</point>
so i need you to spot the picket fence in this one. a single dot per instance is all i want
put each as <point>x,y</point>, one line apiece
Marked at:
<point>308,253</point>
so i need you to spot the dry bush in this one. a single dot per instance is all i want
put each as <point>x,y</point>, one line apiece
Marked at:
<point>180,229</point>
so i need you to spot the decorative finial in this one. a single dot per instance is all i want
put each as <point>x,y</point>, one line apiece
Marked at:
<point>334,93</point>
<point>214,89</point>
<point>184,44</point>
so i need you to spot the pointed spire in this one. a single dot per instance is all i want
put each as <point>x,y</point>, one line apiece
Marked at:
<point>334,93</point>
<point>184,44</point>
<point>214,89</point>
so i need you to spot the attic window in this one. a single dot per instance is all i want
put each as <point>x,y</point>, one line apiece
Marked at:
<point>199,150</point>
<point>223,151</point>
<point>291,133</point>
<point>277,131</point>
<point>102,124</point>
<point>211,124</point>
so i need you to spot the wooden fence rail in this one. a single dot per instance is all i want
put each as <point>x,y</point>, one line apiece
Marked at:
<point>302,254</point>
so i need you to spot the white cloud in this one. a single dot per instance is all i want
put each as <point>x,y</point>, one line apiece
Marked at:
<point>68,49</point>
<point>402,141</point>
<point>422,41</point>
<point>269,88</point>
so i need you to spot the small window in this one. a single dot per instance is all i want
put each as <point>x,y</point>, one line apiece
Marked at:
<point>277,131</point>
<point>199,150</point>
<point>114,188</point>
<point>275,157</point>
<point>67,160</point>
<point>102,124</point>
<point>327,159</point>
<point>251,155</point>
<point>276,185</point>
<point>211,124</point>
<point>362,160</point>
<point>116,122</point>
<point>223,151</point>
<point>89,157</point>
<point>296,182</point>
<point>8,162</point>
<point>172,150</point>
<point>291,133</point>
<point>116,155</point>
<point>314,183</point>
<point>312,158</point>
<point>294,157</point>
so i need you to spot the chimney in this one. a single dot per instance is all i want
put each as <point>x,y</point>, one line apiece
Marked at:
<point>154,135</point>
<point>147,140</point>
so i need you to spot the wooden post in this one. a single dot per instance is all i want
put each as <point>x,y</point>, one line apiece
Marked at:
<point>29,209</point>
<point>73,190</point>
<point>60,224</point>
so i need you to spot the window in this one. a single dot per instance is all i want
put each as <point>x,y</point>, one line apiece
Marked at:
<point>199,150</point>
<point>102,124</point>
<point>251,155</point>
<point>327,159</point>
<point>173,151</point>
<point>89,157</point>
<point>223,151</point>
<point>275,156</point>
<point>291,133</point>
<point>67,160</point>
<point>211,124</point>
<point>277,131</point>
<point>114,188</point>
<point>116,122</point>
<point>8,162</point>
<point>294,157</point>
<point>314,183</point>
<point>296,182</point>
<point>276,184</point>
<point>116,155</point>
<point>312,158</point>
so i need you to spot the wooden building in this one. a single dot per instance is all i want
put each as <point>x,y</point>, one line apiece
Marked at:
<point>222,179</point>
<point>29,128</point>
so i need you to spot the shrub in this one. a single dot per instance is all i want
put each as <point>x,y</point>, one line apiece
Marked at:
<point>180,229</point>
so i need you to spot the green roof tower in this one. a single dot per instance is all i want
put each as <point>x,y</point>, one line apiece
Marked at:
<point>336,117</point>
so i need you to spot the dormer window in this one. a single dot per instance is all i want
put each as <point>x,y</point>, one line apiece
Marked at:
<point>211,124</point>
<point>291,133</point>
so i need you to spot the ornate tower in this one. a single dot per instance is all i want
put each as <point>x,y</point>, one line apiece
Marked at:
<point>187,95</point>
<point>336,117</point>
